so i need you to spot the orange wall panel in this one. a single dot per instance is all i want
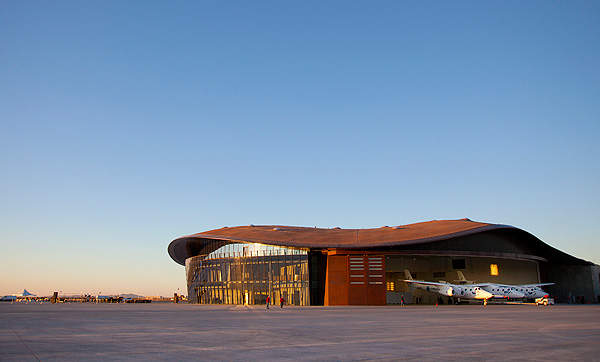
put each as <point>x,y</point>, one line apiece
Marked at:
<point>376,280</point>
<point>357,270</point>
<point>355,279</point>
<point>336,280</point>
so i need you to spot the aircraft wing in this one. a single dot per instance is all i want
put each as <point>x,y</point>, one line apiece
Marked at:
<point>424,282</point>
<point>535,285</point>
<point>483,285</point>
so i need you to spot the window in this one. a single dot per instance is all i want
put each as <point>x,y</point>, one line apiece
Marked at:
<point>439,274</point>
<point>494,269</point>
<point>390,286</point>
<point>458,264</point>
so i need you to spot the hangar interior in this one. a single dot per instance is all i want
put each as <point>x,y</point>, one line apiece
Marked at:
<point>316,266</point>
<point>444,269</point>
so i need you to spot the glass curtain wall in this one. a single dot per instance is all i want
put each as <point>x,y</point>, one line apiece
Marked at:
<point>247,274</point>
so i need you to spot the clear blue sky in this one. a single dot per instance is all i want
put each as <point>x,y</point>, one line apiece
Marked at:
<point>127,124</point>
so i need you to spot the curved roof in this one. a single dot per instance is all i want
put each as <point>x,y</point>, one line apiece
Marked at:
<point>320,238</point>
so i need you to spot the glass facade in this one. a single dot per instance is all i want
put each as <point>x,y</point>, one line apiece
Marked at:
<point>247,274</point>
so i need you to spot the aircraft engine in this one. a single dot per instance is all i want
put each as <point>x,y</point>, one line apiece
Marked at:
<point>446,290</point>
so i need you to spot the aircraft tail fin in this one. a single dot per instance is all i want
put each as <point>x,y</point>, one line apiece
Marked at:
<point>407,274</point>
<point>461,278</point>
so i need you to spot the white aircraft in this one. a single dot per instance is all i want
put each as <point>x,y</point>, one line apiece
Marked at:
<point>529,291</point>
<point>27,294</point>
<point>498,290</point>
<point>450,290</point>
<point>510,291</point>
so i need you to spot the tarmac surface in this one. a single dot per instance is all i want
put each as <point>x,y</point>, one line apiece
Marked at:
<point>196,332</point>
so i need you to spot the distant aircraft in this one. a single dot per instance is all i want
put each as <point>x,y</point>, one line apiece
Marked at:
<point>450,290</point>
<point>27,294</point>
<point>16,296</point>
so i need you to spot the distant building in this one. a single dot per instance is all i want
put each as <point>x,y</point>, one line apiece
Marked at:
<point>316,266</point>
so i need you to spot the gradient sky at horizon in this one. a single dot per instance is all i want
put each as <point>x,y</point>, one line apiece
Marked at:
<point>128,124</point>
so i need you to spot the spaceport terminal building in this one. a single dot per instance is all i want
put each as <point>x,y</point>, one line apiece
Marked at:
<point>334,266</point>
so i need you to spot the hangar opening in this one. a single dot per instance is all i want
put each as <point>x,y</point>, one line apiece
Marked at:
<point>446,269</point>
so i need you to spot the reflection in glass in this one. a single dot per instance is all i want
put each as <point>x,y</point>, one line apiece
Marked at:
<point>248,273</point>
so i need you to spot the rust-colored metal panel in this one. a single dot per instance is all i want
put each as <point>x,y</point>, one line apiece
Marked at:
<point>376,280</point>
<point>308,237</point>
<point>336,280</point>
<point>355,279</point>
<point>367,279</point>
<point>339,238</point>
<point>357,270</point>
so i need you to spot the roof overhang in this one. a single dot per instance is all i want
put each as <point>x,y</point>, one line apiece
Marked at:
<point>318,238</point>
